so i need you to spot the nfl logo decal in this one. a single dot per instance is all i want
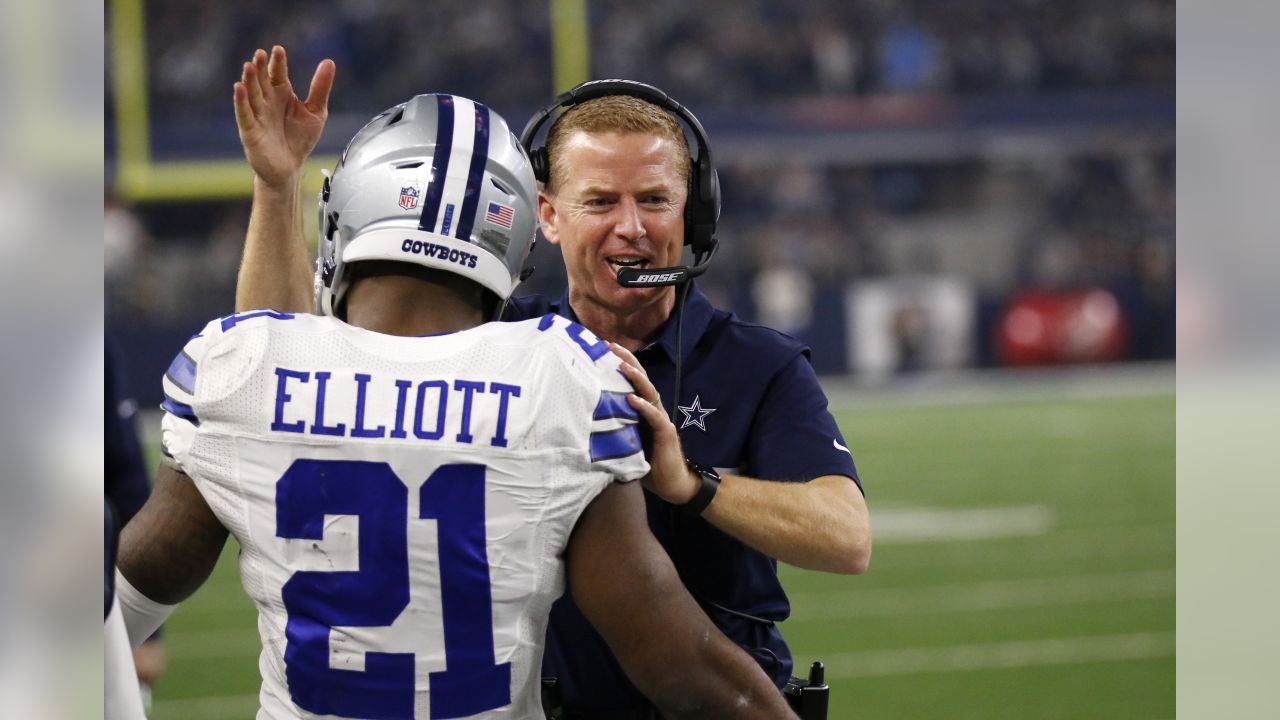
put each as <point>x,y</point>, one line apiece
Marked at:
<point>500,215</point>
<point>409,197</point>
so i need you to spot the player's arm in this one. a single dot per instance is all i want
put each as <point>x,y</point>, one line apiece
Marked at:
<point>278,132</point>
<point>166,552</point>
<point>627,587</point>
<point>822,524</point>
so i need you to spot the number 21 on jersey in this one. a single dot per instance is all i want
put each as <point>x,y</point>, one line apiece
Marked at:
<point>378,592</point>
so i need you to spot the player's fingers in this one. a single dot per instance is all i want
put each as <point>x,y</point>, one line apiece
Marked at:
<point>260,62</point>
<point>244,113</point>
<point>278,67</point>
<point>321,84</point>
<point>253,88</point>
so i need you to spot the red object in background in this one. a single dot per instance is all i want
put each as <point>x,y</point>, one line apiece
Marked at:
<point>1047,327</point>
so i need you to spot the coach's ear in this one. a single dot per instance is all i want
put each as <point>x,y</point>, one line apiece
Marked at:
<point>547,218</point>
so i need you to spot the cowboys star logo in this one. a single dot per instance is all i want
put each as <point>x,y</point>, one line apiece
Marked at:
<point>695,414</point>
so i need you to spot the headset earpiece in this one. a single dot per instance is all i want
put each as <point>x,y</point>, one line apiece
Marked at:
<point>702,209</point>
<point>541,165</point>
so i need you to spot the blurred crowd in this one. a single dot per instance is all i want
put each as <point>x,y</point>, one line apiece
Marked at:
<point>728,51</point>
<point>707,53</point>
<point>385,51</point>
<point>796,238</point>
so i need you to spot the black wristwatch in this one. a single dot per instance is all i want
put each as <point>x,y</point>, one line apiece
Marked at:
<point>706,492</point>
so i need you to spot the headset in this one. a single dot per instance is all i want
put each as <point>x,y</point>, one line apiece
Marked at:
<point>701,208</point>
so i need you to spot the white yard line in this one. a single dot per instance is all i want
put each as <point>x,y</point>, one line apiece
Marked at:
<point>975,597</point>
<point>1059,545</point>
<point>997,656</point>
<point>908,525</point>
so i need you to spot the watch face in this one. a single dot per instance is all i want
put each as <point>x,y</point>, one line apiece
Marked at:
<point>704,470</point>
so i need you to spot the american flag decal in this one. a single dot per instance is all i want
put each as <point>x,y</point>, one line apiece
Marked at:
<point>500,215</point>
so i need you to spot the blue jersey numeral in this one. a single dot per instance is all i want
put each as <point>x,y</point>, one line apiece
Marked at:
<point>454,497</point>
<point>376,594</point>
<point>373,596</point>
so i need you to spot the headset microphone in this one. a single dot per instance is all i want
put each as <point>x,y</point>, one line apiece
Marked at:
<point>662,277</point>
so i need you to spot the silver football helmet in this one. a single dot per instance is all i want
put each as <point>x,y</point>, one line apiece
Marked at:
<point>439,181</point>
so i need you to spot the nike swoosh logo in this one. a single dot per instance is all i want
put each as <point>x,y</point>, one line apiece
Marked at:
<point>841,447</point>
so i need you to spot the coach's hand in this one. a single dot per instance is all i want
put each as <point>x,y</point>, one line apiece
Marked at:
<point>669,475</point>
<point>278,131</point>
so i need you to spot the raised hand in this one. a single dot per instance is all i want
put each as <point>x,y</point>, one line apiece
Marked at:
<point>277,130</point>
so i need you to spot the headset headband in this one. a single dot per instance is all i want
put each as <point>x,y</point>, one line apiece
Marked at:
<point>593,89</point>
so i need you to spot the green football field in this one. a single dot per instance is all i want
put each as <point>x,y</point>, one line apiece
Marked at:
<point>1023,568</point>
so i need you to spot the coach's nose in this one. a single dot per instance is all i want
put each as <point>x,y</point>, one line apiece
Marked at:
<point>629,224</point>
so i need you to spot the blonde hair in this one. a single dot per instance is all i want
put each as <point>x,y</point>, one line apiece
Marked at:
<point>614,113</point>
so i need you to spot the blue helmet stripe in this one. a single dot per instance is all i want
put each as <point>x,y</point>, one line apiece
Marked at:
<point>475,174</point>
<point>439,163</point>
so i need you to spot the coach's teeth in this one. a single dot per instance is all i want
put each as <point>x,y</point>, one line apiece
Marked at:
<point>619,263</point>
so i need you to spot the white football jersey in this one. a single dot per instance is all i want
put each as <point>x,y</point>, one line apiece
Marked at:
<point>402,504</point>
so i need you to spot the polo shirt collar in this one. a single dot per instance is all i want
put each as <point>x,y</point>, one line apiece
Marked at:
<point>697,316</point>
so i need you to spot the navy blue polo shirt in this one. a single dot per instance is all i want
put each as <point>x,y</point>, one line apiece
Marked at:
<point>749,404</point>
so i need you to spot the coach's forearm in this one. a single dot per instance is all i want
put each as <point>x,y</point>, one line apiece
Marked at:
<point>822,524</point>
<point>276,270</point>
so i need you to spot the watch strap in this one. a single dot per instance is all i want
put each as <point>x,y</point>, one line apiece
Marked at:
<point>710,483</point>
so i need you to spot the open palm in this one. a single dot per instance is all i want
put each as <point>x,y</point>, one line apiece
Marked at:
<point>277,129</point>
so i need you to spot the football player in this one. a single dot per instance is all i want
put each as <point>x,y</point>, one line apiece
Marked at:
<point>410,486</point>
